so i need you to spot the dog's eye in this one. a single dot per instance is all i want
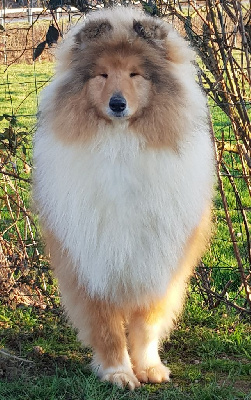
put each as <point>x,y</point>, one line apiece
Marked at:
<point>132,74</point>
<point>104,75</point>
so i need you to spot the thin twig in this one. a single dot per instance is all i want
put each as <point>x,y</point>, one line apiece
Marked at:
<point>16,176</point>
<point>6,354</point>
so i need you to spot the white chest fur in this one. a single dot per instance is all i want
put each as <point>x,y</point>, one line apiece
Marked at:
<point>123,212</point>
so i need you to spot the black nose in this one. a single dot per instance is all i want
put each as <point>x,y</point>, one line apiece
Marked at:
<point>117,103</point>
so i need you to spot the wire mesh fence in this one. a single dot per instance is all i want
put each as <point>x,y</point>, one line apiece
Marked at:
<point>220,33</point>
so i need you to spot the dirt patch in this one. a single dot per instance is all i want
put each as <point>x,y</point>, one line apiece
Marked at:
<point>37,363</point>
<point>11,366</point>
<point>241,385</point>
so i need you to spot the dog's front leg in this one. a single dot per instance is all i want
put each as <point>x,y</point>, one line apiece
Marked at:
<point>111,361</point>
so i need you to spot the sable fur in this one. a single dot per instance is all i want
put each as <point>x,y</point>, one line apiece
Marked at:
<point>124,201</point>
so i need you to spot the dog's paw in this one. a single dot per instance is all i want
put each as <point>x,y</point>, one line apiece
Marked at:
<point>154,374</point>
<point>122,379</point>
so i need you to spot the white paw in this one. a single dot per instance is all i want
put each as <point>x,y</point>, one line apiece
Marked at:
<point>122,380</point>
<point>154,374</point>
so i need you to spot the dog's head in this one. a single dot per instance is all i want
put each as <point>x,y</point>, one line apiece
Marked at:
<point>122,67</point>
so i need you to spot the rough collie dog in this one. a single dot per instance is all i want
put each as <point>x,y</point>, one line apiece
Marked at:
<point>123,181</point>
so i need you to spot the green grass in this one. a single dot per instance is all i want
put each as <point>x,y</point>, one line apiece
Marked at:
<point>19,91</point>
<point>209,352</point>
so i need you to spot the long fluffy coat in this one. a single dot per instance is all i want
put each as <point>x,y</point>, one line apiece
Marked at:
<point>124,199</point>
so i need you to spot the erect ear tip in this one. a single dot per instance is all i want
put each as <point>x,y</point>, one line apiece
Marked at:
<point>150,29</point>
<point>138,28</point>
<point>93,30</point>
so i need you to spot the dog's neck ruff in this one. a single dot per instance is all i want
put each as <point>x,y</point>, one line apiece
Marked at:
<point>122,211</point>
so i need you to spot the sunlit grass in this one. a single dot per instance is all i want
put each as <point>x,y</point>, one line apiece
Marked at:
<point>208,353</point>
<point>19,91</point>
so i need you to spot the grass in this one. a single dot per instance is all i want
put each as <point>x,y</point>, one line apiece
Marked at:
<point>19,92</point>
<point>209,352</point>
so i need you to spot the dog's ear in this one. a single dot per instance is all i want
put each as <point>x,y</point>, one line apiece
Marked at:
<point>93,30</point>
<point>150,30</point>
<point>161,36</point>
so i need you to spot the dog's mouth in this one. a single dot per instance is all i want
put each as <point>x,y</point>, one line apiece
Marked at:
<point>118,114</point>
